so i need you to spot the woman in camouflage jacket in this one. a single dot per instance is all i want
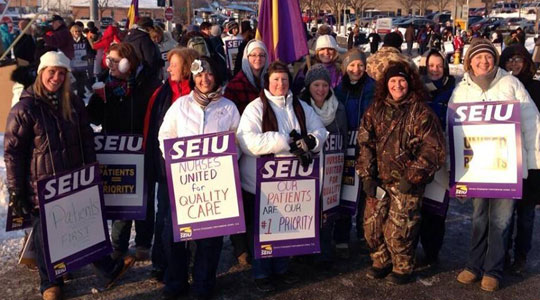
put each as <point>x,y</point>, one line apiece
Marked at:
<point>401,146</point>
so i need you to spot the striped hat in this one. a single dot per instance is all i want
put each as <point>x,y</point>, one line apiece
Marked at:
<point>479,45</point>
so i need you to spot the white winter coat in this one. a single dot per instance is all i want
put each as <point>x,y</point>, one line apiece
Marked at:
<point>255,143</point>
<point>507,87</point>
<point>186,117</point>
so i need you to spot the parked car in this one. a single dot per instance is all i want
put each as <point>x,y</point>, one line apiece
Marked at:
<point>490,23</point>
<point>472,20</point>
<point>527,26</point>
<point>511,23</point>
<point>416,22</point>
<point>479,12</point>
<point>505,7</point>
<point>442,17</point>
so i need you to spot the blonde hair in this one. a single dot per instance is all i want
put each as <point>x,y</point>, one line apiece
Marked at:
<point>75,27</point>
<point>40,91</point>
<point>187,56</point>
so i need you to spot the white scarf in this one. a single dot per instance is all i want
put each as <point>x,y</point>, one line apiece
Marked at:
<point>328,111</point>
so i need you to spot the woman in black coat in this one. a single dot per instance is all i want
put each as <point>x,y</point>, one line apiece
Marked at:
<point>48,133</point>
<point>129,84</point>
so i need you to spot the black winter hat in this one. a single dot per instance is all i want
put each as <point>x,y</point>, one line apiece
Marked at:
<point>395,71</point>
<point>393,39</point>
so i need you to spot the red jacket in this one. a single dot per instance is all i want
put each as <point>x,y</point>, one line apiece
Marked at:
<point>109,36</point>
<point>240,91</point>
<point>179,89</point>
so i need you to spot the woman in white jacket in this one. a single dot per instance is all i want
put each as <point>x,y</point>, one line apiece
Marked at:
<point>204,110</point>
<point>264,130</point>
<point>485,81</point>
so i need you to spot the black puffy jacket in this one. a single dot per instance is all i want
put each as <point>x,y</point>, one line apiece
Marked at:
<point>39,142</point>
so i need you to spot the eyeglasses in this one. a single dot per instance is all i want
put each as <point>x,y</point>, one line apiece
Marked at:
<point>514,60</point>
<point>110,60</point>
<point>257,55</point>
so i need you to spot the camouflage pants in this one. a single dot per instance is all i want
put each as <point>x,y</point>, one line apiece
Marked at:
<point>391,226</point>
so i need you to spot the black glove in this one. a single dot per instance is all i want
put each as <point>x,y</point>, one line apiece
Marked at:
<point>309,141</point>
<point>306,159</point>
<point>404,185</point>
<point>295,150</point>
<point>369,187</point>
<point>19,204</point>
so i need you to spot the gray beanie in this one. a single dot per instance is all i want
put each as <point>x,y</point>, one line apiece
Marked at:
<point>350,56</point>
<point>317,72</point>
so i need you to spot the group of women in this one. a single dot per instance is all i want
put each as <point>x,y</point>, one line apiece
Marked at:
<point>400,147</point>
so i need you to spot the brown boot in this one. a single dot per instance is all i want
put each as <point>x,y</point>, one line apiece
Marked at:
<point>53,293</point>
<point>128,263</point>
<point>467,277</point>
<point>489,284</point>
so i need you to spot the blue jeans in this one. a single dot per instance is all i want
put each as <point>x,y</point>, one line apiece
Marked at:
<point>266,267</point>
<point>177,260</point>
<point>158,254</point>
<point>105,266</point>
<point>490,230</point>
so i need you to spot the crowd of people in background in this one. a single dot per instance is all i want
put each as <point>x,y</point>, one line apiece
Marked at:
<point>155,80</point>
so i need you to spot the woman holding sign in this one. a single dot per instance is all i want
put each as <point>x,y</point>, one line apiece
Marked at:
<point>176,86</point>
<point>119,106</point>
<point>332,113</point>
<point>202,111</point>
<point>485,81</point>
<point>48,133</point>
<point>401,147</point>
<point>356,92</point>
<point>267,127</point>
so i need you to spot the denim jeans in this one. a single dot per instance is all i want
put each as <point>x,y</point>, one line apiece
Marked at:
<point>144,229</point>
<point>177,257</point>
<point>490,229</point>
<point>105,266</point>
<point>266,267</point>
<point>163,207</point>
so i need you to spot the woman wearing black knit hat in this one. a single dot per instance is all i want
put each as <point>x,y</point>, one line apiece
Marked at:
<point>401,146</point>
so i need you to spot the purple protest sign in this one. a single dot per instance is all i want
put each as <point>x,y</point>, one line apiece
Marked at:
<point>485,149</point>
<point>350,189</point>
<point>17,223</point>
<point>231,50</point>
<point>333,154</point>
<point>121,164</point>
<point>71,208</point>
<point>287,207</point>
<point>204,186</point>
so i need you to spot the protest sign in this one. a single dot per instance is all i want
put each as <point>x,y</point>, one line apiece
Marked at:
<point>485,149</point>
<point>231,50</point>
<point>74,229</point>
<point>17,223</point>
<point>332,173</point>
<point>287,207</point>
<point>204,186</point>
<point>121,164</point>
<point>350,189</point>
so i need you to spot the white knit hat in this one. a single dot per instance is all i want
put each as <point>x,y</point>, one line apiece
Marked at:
<point>326,41</point>
<point>54,59</point>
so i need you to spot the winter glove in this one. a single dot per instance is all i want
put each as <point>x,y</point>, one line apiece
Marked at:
<point>369,187</point>
<point>404,185</point>
<point>19,204</point>
<point>296,148</point>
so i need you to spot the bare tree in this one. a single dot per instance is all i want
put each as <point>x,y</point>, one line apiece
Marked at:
<point>313,5</point>
<point>407,5</point>
<point>359,6</point>
<point>422,5</point>
<point>441,4</point>
<point>102,6</point>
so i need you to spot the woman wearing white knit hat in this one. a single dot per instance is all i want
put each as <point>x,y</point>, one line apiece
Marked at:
<point>48,129</point>
<point>327,54</point>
